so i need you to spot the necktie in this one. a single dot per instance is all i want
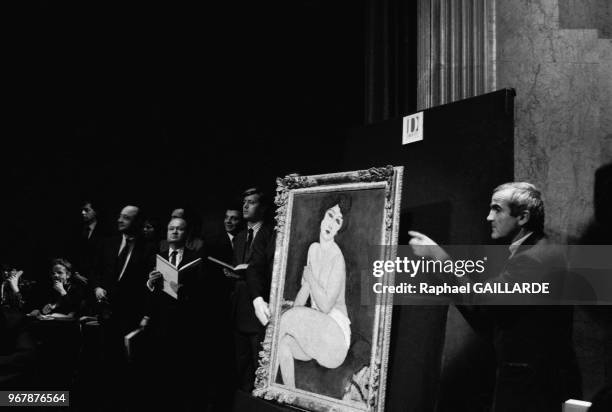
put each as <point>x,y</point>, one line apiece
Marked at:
<point>123,255</point>
<point>173,257</point>
<point>86,230</point>
<point>247,246</point>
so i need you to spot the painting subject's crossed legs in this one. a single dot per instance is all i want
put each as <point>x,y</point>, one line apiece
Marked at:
<point>306,334</point>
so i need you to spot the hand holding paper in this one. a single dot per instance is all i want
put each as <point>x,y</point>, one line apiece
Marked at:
<point>170,274</point>
<point>154,280</point>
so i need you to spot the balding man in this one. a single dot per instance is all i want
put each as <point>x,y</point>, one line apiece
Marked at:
<point>182,327</point>
<point>119,282</point>
<point>121,272</point>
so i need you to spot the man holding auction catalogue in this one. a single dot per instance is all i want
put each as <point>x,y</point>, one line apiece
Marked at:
<point>536,369</point>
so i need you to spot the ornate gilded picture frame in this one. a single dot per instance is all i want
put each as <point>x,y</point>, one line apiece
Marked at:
<point>324,350</point>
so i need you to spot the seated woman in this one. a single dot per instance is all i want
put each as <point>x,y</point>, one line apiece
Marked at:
<point>322,331</point>
<point>60,341</point>
<point>67,293</point>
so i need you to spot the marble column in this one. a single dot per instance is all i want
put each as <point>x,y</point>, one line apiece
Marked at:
<point>456,48</point>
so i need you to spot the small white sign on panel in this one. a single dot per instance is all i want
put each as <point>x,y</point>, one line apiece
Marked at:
<point>412,130</point>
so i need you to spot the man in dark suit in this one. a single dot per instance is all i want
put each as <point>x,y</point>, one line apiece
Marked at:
<point>248,330</point>
<point>221,244</point>
<point>89,239</point>
<point>534,356</point>
<point>119,282</point>
<point>121,272</point>
<point>187,341</point>
<point>166,313</point>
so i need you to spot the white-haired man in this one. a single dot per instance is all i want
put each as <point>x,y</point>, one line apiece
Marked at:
<point>534,355</point>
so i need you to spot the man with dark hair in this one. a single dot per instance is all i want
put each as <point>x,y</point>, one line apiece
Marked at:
<point>232,223</point>
<point>89,215</point>
<point>533,348</point>
<point>250,311</point>
<point>220,244</point>
<point>89,239</point>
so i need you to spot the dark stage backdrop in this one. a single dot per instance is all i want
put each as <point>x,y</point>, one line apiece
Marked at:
<point>448,178</point>
<point>164,103</point>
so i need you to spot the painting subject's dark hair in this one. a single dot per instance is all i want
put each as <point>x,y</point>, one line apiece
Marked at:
<point>344,203</point>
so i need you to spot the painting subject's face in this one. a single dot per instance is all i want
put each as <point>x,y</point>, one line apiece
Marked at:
<point>503,224</point>
<point>60,273</point>
<point>331,223</point>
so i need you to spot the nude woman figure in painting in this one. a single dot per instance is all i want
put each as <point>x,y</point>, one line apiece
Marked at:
<point>322,331</point>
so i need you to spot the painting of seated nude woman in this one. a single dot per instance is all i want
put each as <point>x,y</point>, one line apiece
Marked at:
<point>324,344</point>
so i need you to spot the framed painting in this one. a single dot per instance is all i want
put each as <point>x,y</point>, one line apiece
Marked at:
<point>324,349</point>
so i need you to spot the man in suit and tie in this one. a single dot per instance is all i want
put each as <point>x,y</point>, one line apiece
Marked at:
<point>191,289</point>
<point>232,223</point>
<point>220,244</point>
<point>186,329</point>
<point>248,330</point>
<point>536,369</point>
<point>119,283</point>
<point>89,240</point>
<point>121,272</point>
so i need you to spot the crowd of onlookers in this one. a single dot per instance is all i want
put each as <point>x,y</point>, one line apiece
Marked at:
<point>107,325</point>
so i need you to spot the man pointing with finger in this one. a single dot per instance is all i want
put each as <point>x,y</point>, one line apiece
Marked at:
<point>536,369</point>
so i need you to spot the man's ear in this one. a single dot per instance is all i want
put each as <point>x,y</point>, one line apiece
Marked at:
<point>524,217</point>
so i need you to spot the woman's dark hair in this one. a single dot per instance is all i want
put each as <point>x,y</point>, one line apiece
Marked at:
<point>153,221</point>
<point>344,202</point>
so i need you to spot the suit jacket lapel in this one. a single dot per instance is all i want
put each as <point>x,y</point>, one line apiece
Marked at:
<point>188,256</point>
<point>239,245</point>
<point>131,258</point>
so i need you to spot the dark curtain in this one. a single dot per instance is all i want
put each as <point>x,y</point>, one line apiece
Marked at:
<point>390,59</point>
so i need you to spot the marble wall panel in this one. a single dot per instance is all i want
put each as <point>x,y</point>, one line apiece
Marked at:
<point>605,69</point>
<point>562,79</point>
<point>587,14</point>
